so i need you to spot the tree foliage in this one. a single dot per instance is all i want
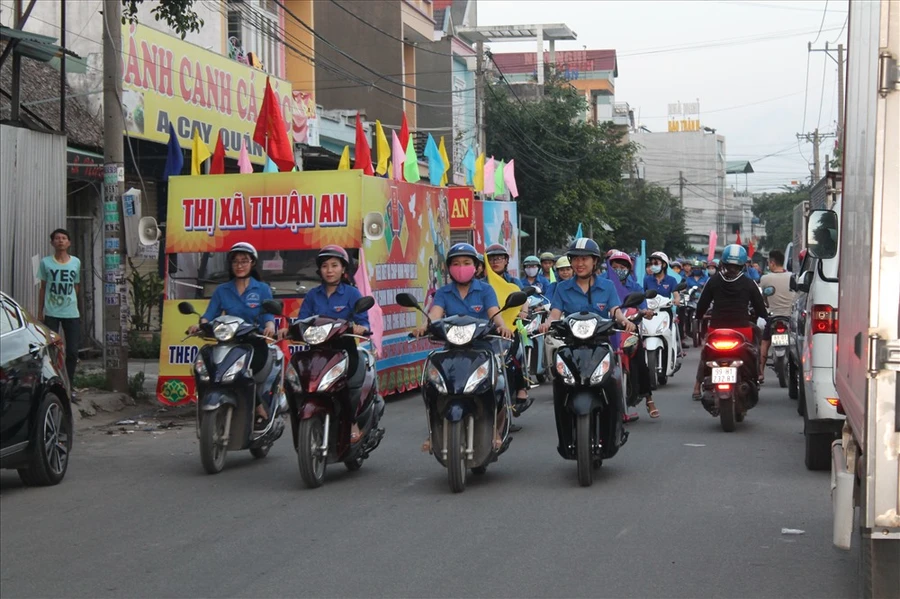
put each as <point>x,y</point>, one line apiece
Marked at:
<point>177,14</point>
<point>649,212</point>
<point>777,210</point>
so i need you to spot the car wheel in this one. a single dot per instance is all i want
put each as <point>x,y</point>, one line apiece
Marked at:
<point>793,380</point>
<point>50,445</point>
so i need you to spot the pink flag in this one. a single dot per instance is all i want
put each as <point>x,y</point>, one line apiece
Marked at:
<point>489,167</point>
<point>398,156</point>
<point>509,177</point>
<point>244,159</point>
<point>376,316</point>
<point>713,240</point>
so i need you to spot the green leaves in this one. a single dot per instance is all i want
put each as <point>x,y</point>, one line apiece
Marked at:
<point>177,14</point>
<point>777,210</point>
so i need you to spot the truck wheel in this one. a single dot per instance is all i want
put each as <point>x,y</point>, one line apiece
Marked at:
<point>793,380</point>
<point>878,559</point>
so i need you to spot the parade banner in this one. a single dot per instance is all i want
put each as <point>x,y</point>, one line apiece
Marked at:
<point>461,207</point>
<point>166,79</point>
<point>273,211</point>
<point>501,226</point>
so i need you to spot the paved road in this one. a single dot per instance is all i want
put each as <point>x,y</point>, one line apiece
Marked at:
<point>684,510</point>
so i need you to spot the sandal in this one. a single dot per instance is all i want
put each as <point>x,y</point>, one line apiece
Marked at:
<point>696,396</point>
<point>651,409</point>
<point>498,442</point>
<point>355,436</point>
<point>260,423</point>
<point>426,446</point>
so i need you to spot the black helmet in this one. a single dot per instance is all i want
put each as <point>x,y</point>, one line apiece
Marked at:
<point>496,249</point>
<point>583,246</point>
<point>333,251</point>
<point>463,249</point>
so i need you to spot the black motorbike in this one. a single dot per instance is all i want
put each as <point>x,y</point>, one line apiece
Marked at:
<point>692,326</point>
<point>466,390</point>
<point>587,390</point>
<point>230,374</point>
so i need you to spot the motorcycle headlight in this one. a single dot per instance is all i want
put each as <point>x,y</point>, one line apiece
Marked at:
<point>461,335</point>
<point>316,335</point>
<point>234,369</point>
<point>601,370</point>
<point>652,303</point>
<point>333,373</point>
<point>224,331</point>
<point>583,329</point>
<point>477,377</point>
<point>434,377</point>
<point>564,371</point>
<point>200,369</point>
<point>662,326</point>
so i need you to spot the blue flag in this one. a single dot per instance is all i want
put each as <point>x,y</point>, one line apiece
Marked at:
<point>578,233</point>
<point>174,156</point>
<point>270,166</point>
<point>640,265</point>
<point>435,162</point>
<point>469,164</point>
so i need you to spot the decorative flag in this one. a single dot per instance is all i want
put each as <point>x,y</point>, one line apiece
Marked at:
<point>502,289</point>
<point>376,316</point>
<point>344,164</point>
<point>199,153</point>
<point>390,169</point>
<point>469,166</point>
<point>435,162</point>
<point>383,148</point>
<point>640,265</point>
<point>217,166</point>
<point>579,234</point>
<point>489,176</point>
<point>174,156</point>
<point>271,132</point>
<point>270,167</point>
<point>751,249</point>
<point>244,159</point>
<point>411,164</point>
<point>478,177</point>
<point>363,159</point>
<point>738,238</point>
<point>443,150</point>
<point>404,132</point>
<point>499,184</point>
<point>713,241</point>
<point>509,178</point>
<point>398,155</point>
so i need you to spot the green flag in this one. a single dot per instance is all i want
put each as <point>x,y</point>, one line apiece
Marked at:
<point>499,183</point>
<point>411,164</point>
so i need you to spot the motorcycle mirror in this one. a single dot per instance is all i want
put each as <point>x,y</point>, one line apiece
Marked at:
<point>532,290</point>
<point>633,300</point>
<point>650,294</point>
<point>407,301</point>
<point>514,300</point>
<point>363,304</point>
<point>792,285</point>
<point>273,306</point>
<point>186,308</point>
<point>681,286</point>
<point>767,291</point>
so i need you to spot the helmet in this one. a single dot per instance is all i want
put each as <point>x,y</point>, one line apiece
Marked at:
<point>661,256</point>
<point>700,263</point>
<point>242,247</point>
<point>547,256</point>
<point>621,257</point>
<point>563,262</point>
<point>734,254</point>
<point>611,252</point>
<point>333,251</point>
<point>496,249</point>
<point>583,246</point>
<point>463,249</point>
<point>715,263</point>
<point>532,261</point>
<point>675,263</point>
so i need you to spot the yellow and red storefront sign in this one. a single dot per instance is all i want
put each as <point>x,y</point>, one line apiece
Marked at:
<point>167,80</point>
<point>462,208</point>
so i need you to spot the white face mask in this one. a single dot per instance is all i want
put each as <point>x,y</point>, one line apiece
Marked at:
<point>655,269</point>
<point>531,271</point>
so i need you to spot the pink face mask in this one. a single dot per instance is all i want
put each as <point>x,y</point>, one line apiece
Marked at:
<point>462,273</point>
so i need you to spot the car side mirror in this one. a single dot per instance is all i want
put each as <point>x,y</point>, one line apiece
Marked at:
<point>363,304</point>
<point>803,285</point>
<point>273,306</point>
<point>186,308</point>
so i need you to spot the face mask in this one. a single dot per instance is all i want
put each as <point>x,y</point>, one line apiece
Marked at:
<point>655,269</point>
<point>622,273</point>
<point>711,271</point>
<point>531,271</point>
<point>462,273</point>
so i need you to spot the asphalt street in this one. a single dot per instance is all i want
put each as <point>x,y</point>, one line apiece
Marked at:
<point>684,510</point>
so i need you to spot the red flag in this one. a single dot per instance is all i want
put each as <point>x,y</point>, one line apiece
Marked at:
<point>363,153</point>
<point>270,127</point>
<point>217,166</point>
<point>750,249</point>
<point>738,239</point>
<point>404,132</point>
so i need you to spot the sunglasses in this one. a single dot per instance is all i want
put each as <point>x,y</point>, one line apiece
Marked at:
<point>241,262</point>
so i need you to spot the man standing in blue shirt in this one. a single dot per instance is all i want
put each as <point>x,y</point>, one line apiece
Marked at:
<point>60,276</point>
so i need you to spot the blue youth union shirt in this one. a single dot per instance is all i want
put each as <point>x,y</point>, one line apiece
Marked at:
<point>540,280</point>
<point>247,305</point>
<point>569,298</point>
<point>663,288</point>
<point>338,305</point>
<point>480,298</point>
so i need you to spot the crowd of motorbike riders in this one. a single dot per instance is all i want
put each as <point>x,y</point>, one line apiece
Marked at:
<point>585,297</point>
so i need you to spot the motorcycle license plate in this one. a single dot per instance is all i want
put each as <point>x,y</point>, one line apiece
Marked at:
<point>781,339</point>
<point>724,375</point>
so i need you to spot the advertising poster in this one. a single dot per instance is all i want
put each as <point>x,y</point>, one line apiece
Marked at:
<point>501,226</point>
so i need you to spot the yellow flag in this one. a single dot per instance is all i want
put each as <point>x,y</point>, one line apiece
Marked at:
<point>442,149</point>
<point>199,154</point>
<point>502,289</point>
<point>390,166</point>
<point>479,173</point>
<point>383,148</point>
<point>344,164</point>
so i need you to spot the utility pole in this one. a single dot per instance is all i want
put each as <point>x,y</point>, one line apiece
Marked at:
<point>815,138</point>
<point>681,189</point>
<point>479,94</point>
<point>115,296</point>
<point>840,82</point>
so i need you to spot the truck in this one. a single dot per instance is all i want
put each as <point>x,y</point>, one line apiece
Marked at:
<point>865,461</point>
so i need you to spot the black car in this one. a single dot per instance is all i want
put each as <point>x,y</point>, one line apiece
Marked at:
<point>35,398</point>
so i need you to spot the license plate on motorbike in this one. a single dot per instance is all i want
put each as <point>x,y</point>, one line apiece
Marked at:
<point>724,375</point>
<point>781,339</point>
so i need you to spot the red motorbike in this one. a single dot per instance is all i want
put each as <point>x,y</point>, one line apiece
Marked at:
<point>331,385</point>
<point>730,386</point>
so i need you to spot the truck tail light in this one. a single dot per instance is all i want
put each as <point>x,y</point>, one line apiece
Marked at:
<point>824,319</point>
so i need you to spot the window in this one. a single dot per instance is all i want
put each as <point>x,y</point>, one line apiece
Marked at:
<point>9,318</point>
<point>253,26</point>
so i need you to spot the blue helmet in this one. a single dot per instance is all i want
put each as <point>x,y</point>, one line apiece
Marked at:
<point>583,246</point>
<point>734,254</point>
<point>463,249</point>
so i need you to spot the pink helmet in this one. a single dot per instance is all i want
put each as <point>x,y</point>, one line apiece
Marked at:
<point>621,256</point>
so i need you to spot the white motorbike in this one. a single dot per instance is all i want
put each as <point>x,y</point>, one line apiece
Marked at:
<point>662,342</point>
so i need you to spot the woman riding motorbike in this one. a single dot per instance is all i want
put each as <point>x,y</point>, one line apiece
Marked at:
<point>533,277</point>
<point>563,273</point>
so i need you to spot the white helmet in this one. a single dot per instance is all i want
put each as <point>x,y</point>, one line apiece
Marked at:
<point>245,248</point>
<point>661,255</point>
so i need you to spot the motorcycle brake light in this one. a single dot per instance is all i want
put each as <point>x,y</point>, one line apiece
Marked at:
<point>724,344</point>
<point>780,328</point>
<point>723,386</point>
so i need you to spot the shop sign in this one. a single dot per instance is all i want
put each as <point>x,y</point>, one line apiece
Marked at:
<point>83,167</point>
<point>462,209</point>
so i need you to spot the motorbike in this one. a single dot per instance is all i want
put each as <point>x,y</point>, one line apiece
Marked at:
<point>629,345</point>
<point>587,390</point>
<point>230,374</point>
<point>778,349</point>
<point>465,388</point>
<point>661,340</point>
<point>538,313</point>
<point>690,308</point>
<point>323,387</point>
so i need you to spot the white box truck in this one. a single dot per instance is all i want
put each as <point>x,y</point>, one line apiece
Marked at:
<point>866,460</point>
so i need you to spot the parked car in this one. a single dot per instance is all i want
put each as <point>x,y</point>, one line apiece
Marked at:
<point>35,398</point>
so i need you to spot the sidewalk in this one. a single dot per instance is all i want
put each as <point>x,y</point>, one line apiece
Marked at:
<point>97,407</point>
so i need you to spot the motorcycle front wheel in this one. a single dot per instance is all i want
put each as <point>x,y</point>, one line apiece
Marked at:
<point>456,457</point>
<point>651,366</point>
<point>212,435</point>
<point>312,464</point>
<point>583,450</point>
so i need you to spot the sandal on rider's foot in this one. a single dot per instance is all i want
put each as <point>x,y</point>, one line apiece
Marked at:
<point>651,409</point>
<point>260,423</point>
<point>356,436</point>
<point>696,396</point>
<point>426,446</point>
<point>498,443</point>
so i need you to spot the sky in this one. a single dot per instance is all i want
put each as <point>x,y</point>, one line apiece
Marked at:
<point>745,61</point>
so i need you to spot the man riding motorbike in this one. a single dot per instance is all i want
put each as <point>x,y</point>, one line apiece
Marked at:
<point>533,277</point>
<point>780,302</point>
<point>732,295</point>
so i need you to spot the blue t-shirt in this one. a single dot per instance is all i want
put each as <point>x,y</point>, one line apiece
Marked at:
<point>60,299</point>
<point>663,288</point>
<point>480,298</point>
<point>540,280</point>
<point>696,281</point>
<point>511,279</point>
<point>246,306</point>
<point>753,274</point>
<point>338,305</point>
<point>569,298</point>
